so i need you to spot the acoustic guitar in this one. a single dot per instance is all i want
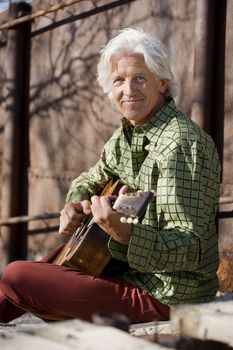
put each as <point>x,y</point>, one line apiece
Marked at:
<point>87,249</point>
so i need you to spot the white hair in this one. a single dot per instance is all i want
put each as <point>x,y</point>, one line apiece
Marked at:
<point>137,42</point>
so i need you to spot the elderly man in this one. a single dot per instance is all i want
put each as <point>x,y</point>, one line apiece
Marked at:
<point>171,256</point>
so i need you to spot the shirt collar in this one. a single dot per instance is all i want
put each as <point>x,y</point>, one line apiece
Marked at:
<point>158,121</point>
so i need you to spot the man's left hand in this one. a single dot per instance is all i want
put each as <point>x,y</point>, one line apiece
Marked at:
<point>109,220</point>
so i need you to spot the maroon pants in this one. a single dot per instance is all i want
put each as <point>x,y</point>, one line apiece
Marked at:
<point>54,292</point>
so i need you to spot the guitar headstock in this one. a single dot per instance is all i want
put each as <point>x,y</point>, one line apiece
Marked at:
<point>132,205</point>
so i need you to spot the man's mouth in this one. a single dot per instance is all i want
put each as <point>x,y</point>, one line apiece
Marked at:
<point>135,100</point>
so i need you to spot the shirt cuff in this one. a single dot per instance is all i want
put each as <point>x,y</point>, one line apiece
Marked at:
<point>118,250</point>
<point>139,250</point>
<point>141,247</point>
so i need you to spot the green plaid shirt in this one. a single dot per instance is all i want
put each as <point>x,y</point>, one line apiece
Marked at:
<point>173,252</point>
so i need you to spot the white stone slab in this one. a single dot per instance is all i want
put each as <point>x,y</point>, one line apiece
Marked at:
<point>212,321</point>
<point>152,328</point>
<point>74,334</point>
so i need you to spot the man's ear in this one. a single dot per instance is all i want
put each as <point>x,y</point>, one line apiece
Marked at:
<point>163,85</point>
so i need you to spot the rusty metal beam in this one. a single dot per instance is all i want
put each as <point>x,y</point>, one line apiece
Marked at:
<point>16,135</point>
<point>39,13</point>
<point>209,68</point>
<point>203,64</point>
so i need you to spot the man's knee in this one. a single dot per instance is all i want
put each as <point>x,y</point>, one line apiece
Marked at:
<point>14,276</point>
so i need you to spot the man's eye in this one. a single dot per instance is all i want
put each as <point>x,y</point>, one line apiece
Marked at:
<point>140,78</point>
<point>118,80</point>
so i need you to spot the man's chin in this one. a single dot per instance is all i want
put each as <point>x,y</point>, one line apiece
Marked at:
<point>135,119</point>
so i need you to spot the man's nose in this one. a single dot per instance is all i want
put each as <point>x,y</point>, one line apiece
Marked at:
<point>129,87</point>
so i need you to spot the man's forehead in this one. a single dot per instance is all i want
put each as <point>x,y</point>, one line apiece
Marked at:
<point>129,62</point>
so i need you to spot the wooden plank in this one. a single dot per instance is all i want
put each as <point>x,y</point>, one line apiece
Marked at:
<point>74,334</point>
<point>212,321</point>
<point>152,328</point>
<point>26,341</point>
<point>83,335</point>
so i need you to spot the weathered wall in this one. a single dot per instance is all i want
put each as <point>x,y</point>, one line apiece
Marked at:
<point>70,119</point>
<point>226,224</point>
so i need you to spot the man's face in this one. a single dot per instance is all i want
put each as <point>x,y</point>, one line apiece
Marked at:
<point>136,90</point>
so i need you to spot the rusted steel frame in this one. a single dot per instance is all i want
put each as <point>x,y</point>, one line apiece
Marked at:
<point>77,17</point>
<point>209,58</point>
<point>218,111</point>
<point>16,135</point>
<point>29,17</point>
<point>82,15</point>
<point>45,216</point>
<point>203,65</point>
<point>27,218</point>
<point>54,8</point>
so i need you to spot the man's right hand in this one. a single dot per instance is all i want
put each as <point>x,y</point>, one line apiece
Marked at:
<point>72,215</point>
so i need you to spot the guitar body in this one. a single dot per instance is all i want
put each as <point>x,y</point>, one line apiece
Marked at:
<point>87,249</point>
<point>90,254</point>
